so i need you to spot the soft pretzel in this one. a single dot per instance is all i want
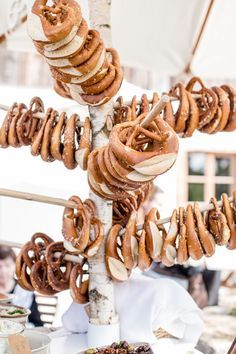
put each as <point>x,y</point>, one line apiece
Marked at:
<point>95,244</point>
<point>130,243</point>
<point>206,238</point>
<point>182,250</point>
<point>144,260</point>
<point>45,151</point>
<point>68,155</point>
<point>58,278</point>
<point>38,137</point>
<point>53,23</point>
<point>114,263</point>
<point>229,214</point>
<point>56,146</point>
<point>79,293</point>
<point>154,238</point>
<point>231,124</point>
<point>217,224</point>
<point>194,246</point>
<point>81,155</point>
<point>13,139</point>
<point>39,278</point>
<point>182,113</point>
<point>168,251</point>
<point>76,225</point>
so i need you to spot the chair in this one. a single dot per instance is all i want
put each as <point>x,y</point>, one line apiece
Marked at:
<point>47,306</point>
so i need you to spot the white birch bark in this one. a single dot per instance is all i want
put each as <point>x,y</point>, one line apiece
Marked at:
<point>101,290</point>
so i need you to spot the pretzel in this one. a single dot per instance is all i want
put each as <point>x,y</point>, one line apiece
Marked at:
<point>182,251</point>
<point>96,75</point>
<point>53,23</point>
<point>168,251</point>
<point>58,279</point>
<point>114,263</point>
<point>154,237</point>
<point>229,214</point>
<point>79,293</point>
<point>75,78</point>
<point>182,113</point>
<point>223,108</point>
<point>193,116</point>
<point>159,153</point>
<point>61,89</point>
<point>109,92</point>
<point>39,242</point>
<point>144,260</point>
<point>194,247</point>
<point>207,104</point>
<point>68,155</point>
<point>130,244</point>
<point>231,124</point>
<point>217,224</point>
<point>206,238</point>
<point>76,225</point>
<point>38,137</point>
<point>21,271</point>
<point>56,146</point>
<point>81,155</point>
<point>6,125</point>
<point>95,244</point>
<point>45,151</point>
<point>39,279</point>
<point>87,66</point>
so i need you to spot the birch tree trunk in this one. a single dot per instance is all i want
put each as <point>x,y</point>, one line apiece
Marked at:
<point>101,290</point>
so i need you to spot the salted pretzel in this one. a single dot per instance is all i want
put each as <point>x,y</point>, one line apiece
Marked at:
<point>205,237</point>
<point>155,156</point>
<point>39,278</point>
<point>114,262</point>
<point>130,243</point>
<point>69,144</point>
<point>38,137</point>
<point>231,123</point>
<point>230,217</point>
<point>79,293</point>
<point>217,224</point>
<point>144,260</point>
<point>56,145</point>
<point>194,246</point>
<point>182,113</point>
<point>207,103</point>
<point>168,251</point>
<point>53,23</point>
<point>182,250</point>
<point>95,244</point>
<point>82,153</point>
<point>76,225</point>
<point>154,234</point>
<point>57,276</point>
<point>45,149</point>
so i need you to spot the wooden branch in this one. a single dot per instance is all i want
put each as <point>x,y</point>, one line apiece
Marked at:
<point>68,257</point>
<point>37,115</point>
<point>66,203</point>
<point>36,198</point>
<point>155,111</point>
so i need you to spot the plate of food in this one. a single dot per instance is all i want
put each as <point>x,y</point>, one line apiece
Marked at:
<point>5,298</point>
<point>122,347</point>
<point>14,313</point>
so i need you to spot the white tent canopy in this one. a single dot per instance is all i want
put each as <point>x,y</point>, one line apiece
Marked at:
<point>159,35</point>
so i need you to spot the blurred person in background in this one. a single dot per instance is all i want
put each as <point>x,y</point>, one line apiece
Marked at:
<point>8,285</point>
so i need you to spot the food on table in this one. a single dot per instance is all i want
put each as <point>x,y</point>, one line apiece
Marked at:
<point>122,348</point>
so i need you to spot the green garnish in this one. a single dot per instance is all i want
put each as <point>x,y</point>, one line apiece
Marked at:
<point>16,312</point>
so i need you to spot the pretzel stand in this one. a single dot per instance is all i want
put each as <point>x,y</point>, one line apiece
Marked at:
<point>124,146</point>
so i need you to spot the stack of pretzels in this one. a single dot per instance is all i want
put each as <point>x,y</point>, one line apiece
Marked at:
<point>55,137</point>
<point>82,230</point>
<point>209,110</point>
<point>191,234</point>
<point>133,157</point>
<point>79,62</point>
<point>39,268</point>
